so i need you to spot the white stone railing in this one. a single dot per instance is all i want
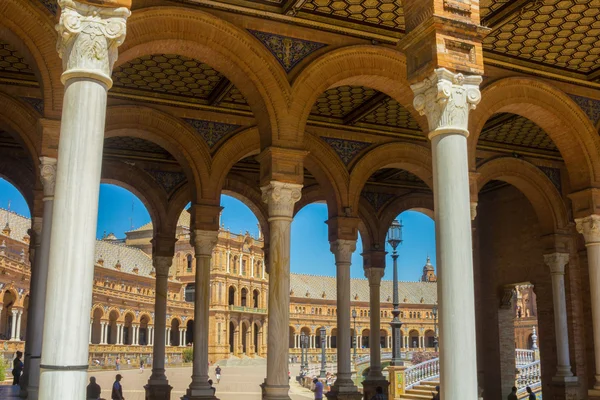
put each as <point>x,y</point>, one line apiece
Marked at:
<point>421,372</point>
<point>524,357</point>
<point>528,375</point>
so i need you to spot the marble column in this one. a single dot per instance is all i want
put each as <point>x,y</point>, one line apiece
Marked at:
<point>557,263</point>
<point>446,98</point>
<point>228,259</point>
<point>19,317</point>
<point>158,386</point>
<point>204,242</point>
<point>342,250</point>
<point>91,330</point>
<point>374,276</point>
<point>88,38</point>
<point>13,325</point>
<point>252,266</point>
<point>280,198</point>
<point>30,380</point>
<point>151,336</point>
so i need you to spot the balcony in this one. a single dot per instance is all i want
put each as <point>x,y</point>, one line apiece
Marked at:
<point>248,310</point>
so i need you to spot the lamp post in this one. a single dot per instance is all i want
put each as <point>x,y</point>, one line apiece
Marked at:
<point>434,311</point>
<point>355,337</point>
<point>323,373</point>
<point>303,365</point>
<point>394,239</point>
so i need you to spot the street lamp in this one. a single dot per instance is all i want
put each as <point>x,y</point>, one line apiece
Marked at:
<point>394,239</point>
<point>303,365</point>
<point>323,373</point>
<point>434,311</point>
<point>355,343</point>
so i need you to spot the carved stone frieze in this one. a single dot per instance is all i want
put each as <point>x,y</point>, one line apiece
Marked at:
<point>89,37</point>
<point>281,197</point>
<point>446,98</point>
<point>48,175</point>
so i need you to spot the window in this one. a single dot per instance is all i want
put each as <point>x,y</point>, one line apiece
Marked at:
<point>189,263</point>
<point>190,292</point>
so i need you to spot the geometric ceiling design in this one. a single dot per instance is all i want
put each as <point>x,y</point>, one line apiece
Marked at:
<point>397,177</point>
<point>391,113</point>
<point>514,131</point>
<point>340,101</point>
<point>388,13</point>
<point>13,64</point>
<point>487,7</point>
<point>124,146</point>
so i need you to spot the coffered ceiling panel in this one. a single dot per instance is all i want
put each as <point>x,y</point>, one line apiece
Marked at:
<point>391,113</point>
<point>129,146</point>
<point>340,101</point>
<point>487,7</point>
<point>13,64</point>
<point>388,13</point>
<point>398,177</point>
<point>516,131</point>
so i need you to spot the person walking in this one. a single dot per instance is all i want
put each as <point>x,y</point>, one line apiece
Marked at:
<point>141,365</point>
<point>531,394</point>
<point>437,395</point>
<point>117,389</point>
<point>93,390</point>
<point>513,394</point>
<point>218,373</point>
<point>318,389</point>
<point>379,394</point>
<point>17,368</point>
<point>118,363</point>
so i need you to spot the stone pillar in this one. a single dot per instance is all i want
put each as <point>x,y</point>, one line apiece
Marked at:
<point>344,387</point>
<point>204,242</point>
<point>151,336</point>
<point>13,325</point>
<point>228,259</point>
<point>88,38</point>
<point>19,317</point>
<point>557,263</point>
<point>446,98</point>
<point>240,266</point>
<point>252,266</point>
<point>158,386</point>
<point>182,337</point>
<point>263,269</point>
<point>280,198</point>
<point>91,330</point>
<point>506,340</point>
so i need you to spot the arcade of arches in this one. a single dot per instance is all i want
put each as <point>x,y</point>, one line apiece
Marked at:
<point>481,113</point>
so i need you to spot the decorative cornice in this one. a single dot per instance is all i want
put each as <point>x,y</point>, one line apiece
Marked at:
<point>589,227</point>
<point>204,242</point>
<point>88,39</point>
<point>342,249</point>
<point>48,176</point>
<point>446,99</point>
<point>473,210</point>
<point>162,265</point>
<point>211,132</point>
<point>556,262</point>
<point>280,198</point>
<point>347,150</point>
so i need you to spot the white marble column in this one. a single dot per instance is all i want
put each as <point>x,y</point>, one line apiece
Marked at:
<point>158,383</point>
<point>374,276</point>
<point>252,266</point>
<point>151,336</point>
<point>240,266</point>
<point>168,337</point>
<point>91,330</point>
<point>136,335</point>
<point>228,259</point>
<point>280,198</point>
<point>263,269</point>
<point>13,326</point>
<point>204,242</point>
<point>446,98</point>
<point>182,340</point>
<point>88,37</point>
<point>557,263</point>
<point>102,332</point>
<point>342,250</point>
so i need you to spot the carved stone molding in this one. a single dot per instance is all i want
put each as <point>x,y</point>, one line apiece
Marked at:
<point>204,242</point>
<point>342,249</point>
<point>48,176</point>
<point>374,275</point>
<point>280,198</point>
<point>162,265</point>
<point>89,37</point>
<point>473,210</point>
<point>556,262</point>
<point>589,227</point>
<point>446,98</point>
<point>508,295</point>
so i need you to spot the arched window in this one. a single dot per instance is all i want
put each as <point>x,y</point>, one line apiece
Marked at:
<point>231,295</point>
<point>190,292</point>
<point>244,297</point>
<point>189,263</point>
<point>255,298</point>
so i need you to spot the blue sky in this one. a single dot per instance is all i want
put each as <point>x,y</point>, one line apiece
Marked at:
<point>119,210</point>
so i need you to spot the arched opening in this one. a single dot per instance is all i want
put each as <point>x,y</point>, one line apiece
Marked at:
<point>143,334</point>
<point>96,325</point>
<point>318,338</point>
<point>190,292</point>
<point>8,316</point>
<point>112,331</point>
<point>189,332</point>
<point>365,338</point>
<point>334,338</point>
<point>128,329</point>
<point>231,300</point>
<point>255,340</point>
<point>292,338</point>
<point>413,339</point>
<point>255,298</point>
<point>232,329</point>
<point>244,334</point>
<point>244,297</point>
<point>175,333</point>
<point>429,339</point>
<point>383,339</point>
<point>190,264</point>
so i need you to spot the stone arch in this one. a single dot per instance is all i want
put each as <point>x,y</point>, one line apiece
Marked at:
<point>539,190</point>
<point>368,226</point>
<point>227,48</point>
<point>30,28</point>
<point>21,177</point>
<point>140,184</point>
<point>172,134</point>
<point>377,67</point>
<point>410,157</point>
<point>21,120</point>
<point>310,194</point>
<point>245,191</point>
<point>551,109</point>
<point>421,202</point>
<point>176,205</point>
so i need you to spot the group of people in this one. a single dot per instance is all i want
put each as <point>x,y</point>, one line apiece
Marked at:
<point>513,394</point>
<point>94,391</point>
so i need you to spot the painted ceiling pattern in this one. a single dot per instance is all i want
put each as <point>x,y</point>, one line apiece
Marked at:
<point>388,13</point>
<point>127,145</point>
<point>517,131</point>
<point>589,106</point>
<point>347,150</point>
<point>211,132</point>
<point>12,61</point>
<point>487,7</point>
<point>340,101</point>
<point>376,199</point>
<point>287,50</point>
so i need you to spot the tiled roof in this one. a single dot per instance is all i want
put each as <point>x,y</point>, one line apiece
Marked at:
<point>128,257</point>
<point>184,221</point>
<point>316,285</point>
<point>19,225</point>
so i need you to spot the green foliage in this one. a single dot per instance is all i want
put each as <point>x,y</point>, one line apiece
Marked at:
<point>188,355</point>
<point>4,368</point>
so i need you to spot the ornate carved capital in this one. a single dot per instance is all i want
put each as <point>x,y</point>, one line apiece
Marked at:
<point>36,228</point>
<point>374,275</point>
<point>280,198</point>
<point>342,249</point>
<point>508,294</point>
<point>556,262</point>
<point>162,265</point>
<point>204,242</point>
<point>446,99</point>
<point>89,37</point>
<point>48,176</point>
<point>473,210</point>
<point>589,227</point>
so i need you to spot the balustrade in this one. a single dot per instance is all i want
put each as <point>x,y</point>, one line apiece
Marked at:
<point>421,372</point>
<point>524,357</point>
<point>528,375</point>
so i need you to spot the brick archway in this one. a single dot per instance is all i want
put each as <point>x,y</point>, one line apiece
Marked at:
<point>552,110</point>
<point>20,120</point>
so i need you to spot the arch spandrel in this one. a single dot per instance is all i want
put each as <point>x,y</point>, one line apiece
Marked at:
<point>553,111</point>
<point>539,190</point>
<point>227,48</point>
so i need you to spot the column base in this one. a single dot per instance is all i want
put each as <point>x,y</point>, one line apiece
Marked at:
<point>371,384</point>
<point>200,394</point>
<point>275,392</point>
<point>565,387</point>
<point>343,395</point>
<point>158,391</point>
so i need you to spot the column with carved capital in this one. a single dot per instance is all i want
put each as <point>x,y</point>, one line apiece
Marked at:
<point>280,198</point>
<point>590,228</point>
<point>446,99</point>
<point>374,275</point>
<point>204,241</point>
<point>344,387</point>
<point>158,385</point>
<point>557,262</point>
<point>88,38</point>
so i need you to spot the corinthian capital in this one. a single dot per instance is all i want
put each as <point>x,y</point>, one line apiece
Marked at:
<point>374,275</point>
<point>446,99</point>
<point>162,265</point>
<point>280,198</point>
<point>556,262</point>
<point>204,242</point>
<point>88,39</point>
<point>589,227</point>
<point>48,176</point>
<point>342,249</point>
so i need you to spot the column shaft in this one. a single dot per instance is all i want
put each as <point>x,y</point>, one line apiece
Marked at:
<point>374,275</point>
<point>161,265</point>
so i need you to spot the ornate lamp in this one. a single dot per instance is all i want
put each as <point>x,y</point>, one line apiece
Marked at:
<point>394,239</point>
